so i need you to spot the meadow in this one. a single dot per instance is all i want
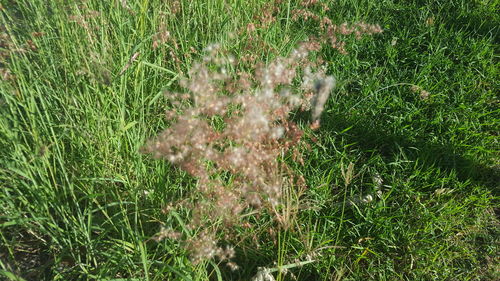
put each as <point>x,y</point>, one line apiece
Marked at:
<point>400,181</point>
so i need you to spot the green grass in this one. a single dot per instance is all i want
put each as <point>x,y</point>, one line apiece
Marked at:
<point>79,202</point>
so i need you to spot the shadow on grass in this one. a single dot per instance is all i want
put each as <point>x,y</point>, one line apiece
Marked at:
<point>368,135</point>
<point>479,19</point>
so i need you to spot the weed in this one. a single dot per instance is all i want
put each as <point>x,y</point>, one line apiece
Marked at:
<point>237,162</point>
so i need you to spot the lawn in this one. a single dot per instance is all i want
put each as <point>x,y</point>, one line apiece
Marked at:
<point>402,176</point>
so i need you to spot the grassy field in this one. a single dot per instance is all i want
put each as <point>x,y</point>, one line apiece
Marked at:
<point>403,174</point>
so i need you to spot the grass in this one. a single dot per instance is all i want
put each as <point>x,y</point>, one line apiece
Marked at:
<point>400,187</point>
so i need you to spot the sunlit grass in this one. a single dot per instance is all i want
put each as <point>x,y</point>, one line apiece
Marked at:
<point>401,185</point>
